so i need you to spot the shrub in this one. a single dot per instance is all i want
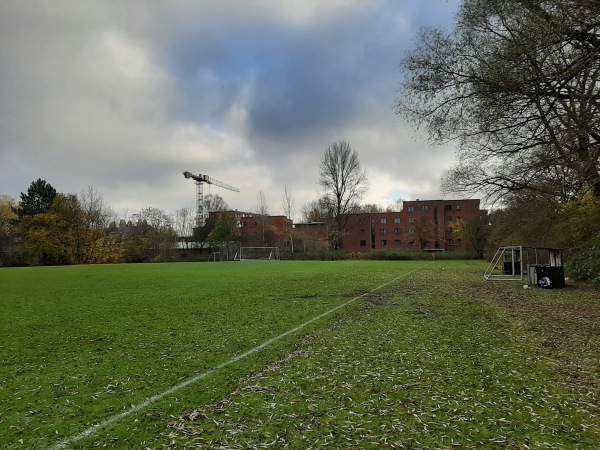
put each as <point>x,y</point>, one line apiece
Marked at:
<point>583,262</point>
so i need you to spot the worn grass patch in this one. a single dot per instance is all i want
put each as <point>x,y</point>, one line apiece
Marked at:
<point>433,362</point>
<point>565,324</point>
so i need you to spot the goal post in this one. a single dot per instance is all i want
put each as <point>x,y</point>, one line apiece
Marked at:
<point>257,254</point>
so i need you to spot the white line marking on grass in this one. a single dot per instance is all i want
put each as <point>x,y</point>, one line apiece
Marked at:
<point>93,429</point>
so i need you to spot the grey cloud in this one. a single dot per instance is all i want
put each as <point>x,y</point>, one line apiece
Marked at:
<point>124,96</point>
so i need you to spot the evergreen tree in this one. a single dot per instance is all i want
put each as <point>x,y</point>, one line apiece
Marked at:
<point>38,199</point>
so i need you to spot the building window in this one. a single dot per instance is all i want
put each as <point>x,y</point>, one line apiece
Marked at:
<point>363,243</point>
<point>396,219</point>
<point>411,209</point>
<point>362,232</point>
<point>448,207</point>
<point>383,220</point>
<point>397,243</point>
<point>396,230</point>
<point>425,208</point>
<point>411,231</point>
<point>383,231</point>
<point>361,221</point>
<point>458,207</point>
<point>383,242</point>
<point>449,218</point>
<point>411,220</point>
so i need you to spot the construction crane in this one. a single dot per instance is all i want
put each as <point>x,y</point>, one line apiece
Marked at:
<point>201,214</point>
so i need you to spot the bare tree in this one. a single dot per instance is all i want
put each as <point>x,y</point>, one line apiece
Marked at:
<point>317,210</point>
<point>475,233</point>
<point>368,208</point>
<point>215,203</point>
<point>157,228</point>
<point>98,213</point>
<point>517,86</point>
<point>262,207</point>
<point>287,203</point>
<point>424,232</point>
<point>344,181</point>
<point>184,224</point>
<point>398,205</point>
<point>263,211</point>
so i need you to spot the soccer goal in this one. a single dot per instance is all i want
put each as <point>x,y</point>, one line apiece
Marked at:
<point>506,264</point>
<point>218,256</point>
<point>257,254</point>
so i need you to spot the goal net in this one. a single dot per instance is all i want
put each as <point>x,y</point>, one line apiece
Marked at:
<point>257,254</point>
<point>218,256</point>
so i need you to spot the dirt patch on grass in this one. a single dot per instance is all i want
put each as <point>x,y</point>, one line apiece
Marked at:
<point>425,311</point>
<point>582,302</point>
<point>303,297</point>
<point>374,300</point>
<point>370,299</point>
<point>578,313</point>
<point>565,322</point>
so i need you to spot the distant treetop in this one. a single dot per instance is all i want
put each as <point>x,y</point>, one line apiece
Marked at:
<point>38,199</point>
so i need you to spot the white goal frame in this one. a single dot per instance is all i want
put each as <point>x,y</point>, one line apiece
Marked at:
<point>257,254</point>
<point>507,264</point>
<point>218,256</point>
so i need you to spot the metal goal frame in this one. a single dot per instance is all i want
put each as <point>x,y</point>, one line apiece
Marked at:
<point>257,254</point>
<point>518,263</point>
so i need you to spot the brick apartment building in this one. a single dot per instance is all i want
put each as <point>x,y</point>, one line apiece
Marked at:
<point>312,235</point>
<point>260,231</point>
<point>421,225</point>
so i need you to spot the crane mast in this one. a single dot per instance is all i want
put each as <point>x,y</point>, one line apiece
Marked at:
<point>199,179</point>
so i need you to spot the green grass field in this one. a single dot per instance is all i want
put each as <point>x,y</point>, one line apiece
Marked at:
<point>417,355</point>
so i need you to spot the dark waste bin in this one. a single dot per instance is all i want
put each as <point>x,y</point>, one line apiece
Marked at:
<point>550,277</point>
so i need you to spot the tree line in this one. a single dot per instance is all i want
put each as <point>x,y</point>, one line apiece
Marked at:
<point>47,227</point>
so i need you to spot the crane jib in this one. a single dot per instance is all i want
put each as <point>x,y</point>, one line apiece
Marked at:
<point>199,178</point>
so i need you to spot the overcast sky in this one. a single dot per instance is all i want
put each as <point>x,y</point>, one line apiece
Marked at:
<point>124,95</point>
